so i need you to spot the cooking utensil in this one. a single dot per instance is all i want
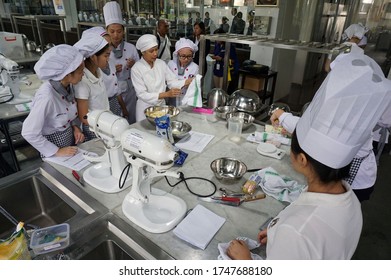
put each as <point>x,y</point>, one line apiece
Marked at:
<point>228,169</point>
<point>180,129</point>
<point>217,97</point>
<point>157,111</point>
<point>247,118</point>
<point>222,111</point>
<point>246,101</point>
<point>232,201</point>
<point>77,177</point>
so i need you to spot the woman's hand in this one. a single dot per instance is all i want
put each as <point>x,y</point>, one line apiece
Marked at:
<point>79,136</point>
<point>188,81</point>
<point>66,151</point>
<point>118,68</point>
<point>130,62</point>
<point>275,116</point>
<point>174,92</point>
<point>262,236</point>
<point>238,250</point>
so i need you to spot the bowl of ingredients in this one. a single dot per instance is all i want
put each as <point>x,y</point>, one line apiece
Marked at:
<point>247,118</point>
<point>159,111</point>
<point>228,169</point>
<point>222,111</point>
<point>180,129</point>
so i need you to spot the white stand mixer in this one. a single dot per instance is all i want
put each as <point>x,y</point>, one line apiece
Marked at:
<point>10,82</point>
<point>154,210</point>
<point>105,175</point>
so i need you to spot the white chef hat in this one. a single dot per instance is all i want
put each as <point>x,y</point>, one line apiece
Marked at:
<point>57,62</point>
<point>98,30</point>
<point>344,111</point>
<point>90,44</point>
<point>146,42</point>
<point>185,43</point>
<point>112,13</point>
<point>355,30</point>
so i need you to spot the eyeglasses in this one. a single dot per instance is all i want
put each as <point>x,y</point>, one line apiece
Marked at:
<point>185,56</point>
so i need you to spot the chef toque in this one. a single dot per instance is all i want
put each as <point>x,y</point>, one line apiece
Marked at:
<point>146,42</point>
<point>90,44</point>
<point>355,30</point>
<point>185,43</point>
<point>98,30</point>
<point>57,62</point>
<point>344,111</point>
<point>112,13</point>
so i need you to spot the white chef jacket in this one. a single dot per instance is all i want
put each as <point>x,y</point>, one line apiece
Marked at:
<point>129,51</point>
<point>366,175</point>
<point>150,82</point>
<point>49,113</point>
<point>316,226</point>
<point>111,81</point>
<point>190,71</point>
<point>93,89</point>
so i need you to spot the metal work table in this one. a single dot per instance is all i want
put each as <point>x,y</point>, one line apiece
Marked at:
<point>243,220</point>
<point>314,47</point>
<point>127,28</point>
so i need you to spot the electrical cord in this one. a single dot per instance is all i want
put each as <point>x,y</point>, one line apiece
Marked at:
<point>183,179</point>
<point>126,169</point>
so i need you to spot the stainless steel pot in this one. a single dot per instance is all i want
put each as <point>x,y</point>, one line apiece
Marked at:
<point>31,46</point>
<point>217,97</point>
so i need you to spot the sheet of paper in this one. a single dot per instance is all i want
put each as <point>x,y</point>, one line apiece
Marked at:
<point>23,107</point>
<point>76,162</point>
<point>196,142</point>
<point>199,227</point>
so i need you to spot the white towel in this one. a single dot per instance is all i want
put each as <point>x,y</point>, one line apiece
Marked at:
<point>199,227</point>
<point>193,96</point>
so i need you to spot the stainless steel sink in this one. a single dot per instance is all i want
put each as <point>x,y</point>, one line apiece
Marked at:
<point>107,250</point>
<point>39,197</point>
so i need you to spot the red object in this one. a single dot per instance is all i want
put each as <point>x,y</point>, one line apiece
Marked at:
<point>227,198</point>
<point>77,177</point>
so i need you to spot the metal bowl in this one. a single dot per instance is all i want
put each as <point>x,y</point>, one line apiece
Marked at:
<point>279,105</point>
<point>228,169</point>
<point>222,111</point>
<point>217,97</point>
<point>180,129</point>
<point>157,111</point>
<point>246,101</point>
<point>247,118</point>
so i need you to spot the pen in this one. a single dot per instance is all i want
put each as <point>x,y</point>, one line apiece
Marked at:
<point>77,177</point>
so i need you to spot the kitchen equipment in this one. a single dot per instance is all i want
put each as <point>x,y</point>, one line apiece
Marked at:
<point>247,118</point>
<point>222,111</point>
<point>49,46</point>
<point>246,101</point>
<point>158,111</point>
<point>235,126</point>
<point>31,46</point>
<point>232,201</point>
<point>217,97</point>
<point>180,129</point>
<point>50,239</point>
<point>270,150</point>
<point>228,169</point>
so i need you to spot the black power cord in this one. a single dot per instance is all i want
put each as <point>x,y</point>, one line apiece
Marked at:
<point>121,182</point>
<point>183,179</point>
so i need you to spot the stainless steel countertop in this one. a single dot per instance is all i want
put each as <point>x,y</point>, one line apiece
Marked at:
<point>240,221</point>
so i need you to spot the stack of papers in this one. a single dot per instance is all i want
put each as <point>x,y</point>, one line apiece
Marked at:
<point>196,142</point>
<point>76,162</point>
<point>199,227</point>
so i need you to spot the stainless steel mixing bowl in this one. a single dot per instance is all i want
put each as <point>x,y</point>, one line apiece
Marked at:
<point>217,97</point>
<point>246,101</point>
<point>222,111</point>
<point>157,111</point>
<point>228,169</point>
<point>180,129</point>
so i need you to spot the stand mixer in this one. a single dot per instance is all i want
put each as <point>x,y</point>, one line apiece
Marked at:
<point>105,175</point>
<point>10,79</point>
<point>152,209</point>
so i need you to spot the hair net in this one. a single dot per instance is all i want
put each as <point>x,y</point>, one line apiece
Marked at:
<point>146,42</point>
<point>98,30</point>
<point>185,43</point>
<point>90,44</point>
<point>355,30</point>
<point>57,62</point>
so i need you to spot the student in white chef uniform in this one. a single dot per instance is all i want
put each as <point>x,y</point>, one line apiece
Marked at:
<point>182,65</point>
<point>91,91</point>
<point>325,222</point>
<point>151,76</point>
<point>52,126</point>
<point>117,105</point>
<point>363,170</point>
<point>123,55</point>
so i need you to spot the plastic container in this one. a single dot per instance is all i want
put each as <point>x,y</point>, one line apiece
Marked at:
<point>50,239</point>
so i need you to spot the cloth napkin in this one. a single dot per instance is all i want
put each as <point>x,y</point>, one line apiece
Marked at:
<point>193,96</point>
<point>251,244</point>
<point>279,186</point>
<point>199,227</point>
